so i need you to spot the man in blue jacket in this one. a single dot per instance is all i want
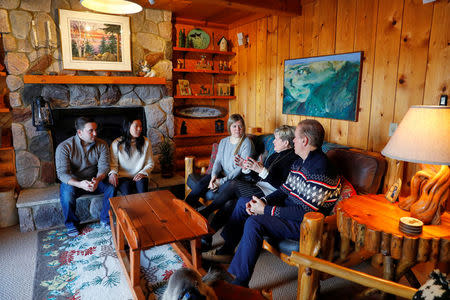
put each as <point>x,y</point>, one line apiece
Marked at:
<point>312,185</point>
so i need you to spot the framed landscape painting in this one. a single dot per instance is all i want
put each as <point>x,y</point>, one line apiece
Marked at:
<point>94,42</point>
<point>323,86</point>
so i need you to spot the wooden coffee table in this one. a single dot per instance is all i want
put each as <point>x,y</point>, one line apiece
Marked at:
<point>151,219</point>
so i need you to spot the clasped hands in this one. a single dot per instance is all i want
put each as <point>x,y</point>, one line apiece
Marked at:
<point>114,180</point>
<point>214,183</point>
<point>89,185</point>
<point>248,163</point>
<point>255,206</point>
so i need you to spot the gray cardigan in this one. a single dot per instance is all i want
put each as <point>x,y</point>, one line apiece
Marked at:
<point>225,158</point>
<point>72,162</point>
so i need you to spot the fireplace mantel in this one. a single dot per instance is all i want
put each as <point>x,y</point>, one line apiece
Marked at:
<point>68,79</point>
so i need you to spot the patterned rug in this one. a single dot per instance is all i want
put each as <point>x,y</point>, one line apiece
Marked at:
<point>87,267</point>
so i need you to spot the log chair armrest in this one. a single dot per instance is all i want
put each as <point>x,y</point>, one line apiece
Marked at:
<point>191,163</point>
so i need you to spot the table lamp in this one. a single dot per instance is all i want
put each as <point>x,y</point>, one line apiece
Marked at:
<point>423,136</point>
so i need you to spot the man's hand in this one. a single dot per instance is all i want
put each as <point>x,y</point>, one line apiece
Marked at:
<point>138,176</point>
<point>113,179</point>
<point>85,185</point>
<point>95,181</point>
<point>253,165</point>
<point>255,206</point>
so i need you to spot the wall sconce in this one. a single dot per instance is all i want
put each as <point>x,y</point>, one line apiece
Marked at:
<point>243,40</point>
<point>41,114</point>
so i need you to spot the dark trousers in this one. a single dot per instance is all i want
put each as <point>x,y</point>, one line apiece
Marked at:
<point>201,190</point>
<point>225,201</point>
<point>249,231</point>
<point>129,186</point>
<point>68,195</point>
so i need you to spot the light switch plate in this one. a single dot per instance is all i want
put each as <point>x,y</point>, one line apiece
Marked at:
<point>392,128</point>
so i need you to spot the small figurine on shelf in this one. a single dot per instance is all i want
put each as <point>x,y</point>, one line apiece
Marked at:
<point>202,64</point>
<point>181,39</point>
<point>204,91</point>
<point>223,44</point>
<point>219,128</point>
<point>183,129</point>
<point>220,65</point>
<point>180,63</point>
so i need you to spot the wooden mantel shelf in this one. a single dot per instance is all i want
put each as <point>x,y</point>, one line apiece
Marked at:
<point>67,79</point>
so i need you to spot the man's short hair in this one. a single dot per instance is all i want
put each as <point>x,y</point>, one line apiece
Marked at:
<point>81,122</point>
<point>286,133</point>
<point>314,131</point>
<point>233,119</point>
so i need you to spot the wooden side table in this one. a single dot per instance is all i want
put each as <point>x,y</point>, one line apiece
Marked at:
<point>371,222</point>
<point>152,219</point>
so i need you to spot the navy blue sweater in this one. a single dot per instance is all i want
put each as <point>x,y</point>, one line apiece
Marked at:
<point>312,185</point>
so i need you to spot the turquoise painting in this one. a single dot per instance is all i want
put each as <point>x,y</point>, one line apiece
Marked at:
<point>324,86</point>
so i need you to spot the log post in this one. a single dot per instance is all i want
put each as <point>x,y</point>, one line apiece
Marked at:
<point>423,250</point>
<point>408,256</point>
<point>188,169</point>
<point>396,246</point>
<point>311,231</point>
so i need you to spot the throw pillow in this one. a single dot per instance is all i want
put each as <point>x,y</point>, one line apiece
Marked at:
<point>215,147</point>
<point>347,191</point>
<point>436,288</point>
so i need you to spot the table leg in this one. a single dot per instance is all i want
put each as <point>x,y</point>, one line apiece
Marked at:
<point>388,273</point>
<point>196,253</point>
<point>135,263</point>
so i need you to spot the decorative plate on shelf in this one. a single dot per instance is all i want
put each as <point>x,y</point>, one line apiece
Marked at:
<point>200,112</point>
<point>199,38</point>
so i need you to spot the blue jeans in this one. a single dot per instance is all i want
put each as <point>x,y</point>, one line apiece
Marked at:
<point>129,186</point>
<point>68,195</point>
<point>250,230</point>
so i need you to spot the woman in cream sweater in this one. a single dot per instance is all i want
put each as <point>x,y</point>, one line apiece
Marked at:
<point>131,159</point>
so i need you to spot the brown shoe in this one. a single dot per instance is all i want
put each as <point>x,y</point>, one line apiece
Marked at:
<point>212,255</point>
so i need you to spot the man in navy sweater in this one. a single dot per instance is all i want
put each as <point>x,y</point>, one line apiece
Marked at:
<point>312,185</point>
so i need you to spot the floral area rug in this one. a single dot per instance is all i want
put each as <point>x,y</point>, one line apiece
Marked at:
<point>87,267</point>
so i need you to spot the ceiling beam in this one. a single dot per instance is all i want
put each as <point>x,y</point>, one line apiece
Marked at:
<point>289,8</point>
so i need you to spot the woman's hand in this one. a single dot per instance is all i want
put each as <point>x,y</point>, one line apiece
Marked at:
<point>212,185</point>
<point>138,176</point>
<point>239,161</point>
<point>254,165</point>
<point>113,179</point>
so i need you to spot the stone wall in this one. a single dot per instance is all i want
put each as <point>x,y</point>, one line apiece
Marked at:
<point>151,35</point>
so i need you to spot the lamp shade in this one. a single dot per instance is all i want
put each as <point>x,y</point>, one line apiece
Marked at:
<point>118,7</point>
<point>423,136</point>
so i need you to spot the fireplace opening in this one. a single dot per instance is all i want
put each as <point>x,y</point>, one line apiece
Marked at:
<point>108,119</point>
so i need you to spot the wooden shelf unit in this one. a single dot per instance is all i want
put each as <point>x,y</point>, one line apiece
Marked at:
<point>68,79</point>
<point>189,136</point>
<point>204,51</point>
<point>206,97</point>
<point>204,71</point>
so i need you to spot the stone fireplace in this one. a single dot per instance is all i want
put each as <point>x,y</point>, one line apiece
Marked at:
<point>35,149</point>
<point>151,40</point>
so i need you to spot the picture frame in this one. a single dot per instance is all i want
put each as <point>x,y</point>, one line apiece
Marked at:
<point>184,88</point>
<point>223,89</point>
<point>394,191</point>
<point>323,86</point>
<point>94,42</point>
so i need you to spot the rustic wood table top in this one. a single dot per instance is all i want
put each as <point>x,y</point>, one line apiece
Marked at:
<point>377,213</point>
<point>159,218</point>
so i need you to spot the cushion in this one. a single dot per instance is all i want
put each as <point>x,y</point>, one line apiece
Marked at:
<point>347,191</point>
<point>364,170</point>
<point>215,148</point>
<point>436,288</point>
<point>329,146</point>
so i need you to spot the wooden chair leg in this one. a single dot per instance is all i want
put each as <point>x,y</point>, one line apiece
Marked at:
<point>311,231</point>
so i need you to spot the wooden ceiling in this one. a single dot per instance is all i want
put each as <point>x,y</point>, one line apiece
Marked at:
<point>226,12</point>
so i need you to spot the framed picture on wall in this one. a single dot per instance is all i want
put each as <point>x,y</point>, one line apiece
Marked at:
<point>94,42</point>
<point>323,86</point>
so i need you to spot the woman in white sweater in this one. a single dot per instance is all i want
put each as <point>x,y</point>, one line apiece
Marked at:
<point>131,159</point>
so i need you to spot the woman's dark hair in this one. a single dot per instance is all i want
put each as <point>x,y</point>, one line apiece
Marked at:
<point>127,138</point>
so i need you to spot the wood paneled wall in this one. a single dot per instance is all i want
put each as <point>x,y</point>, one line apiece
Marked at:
<point>406,62</point>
